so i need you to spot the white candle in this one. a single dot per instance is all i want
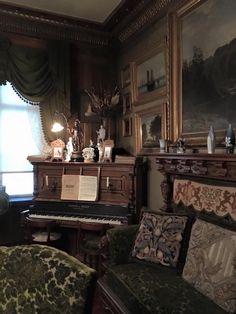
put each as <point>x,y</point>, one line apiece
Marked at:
<point>46,180</point>
<point>107,182</point>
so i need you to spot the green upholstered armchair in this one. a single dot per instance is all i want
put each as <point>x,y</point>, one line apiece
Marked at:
<point>42,279</point>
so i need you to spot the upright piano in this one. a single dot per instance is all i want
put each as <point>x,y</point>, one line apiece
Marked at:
<point>121,193</point>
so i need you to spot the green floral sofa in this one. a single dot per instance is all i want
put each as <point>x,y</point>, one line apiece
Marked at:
<point>170,264</point>
<point>41,279</point>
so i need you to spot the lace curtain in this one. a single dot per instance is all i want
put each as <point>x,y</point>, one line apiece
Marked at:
<point>36,127</point>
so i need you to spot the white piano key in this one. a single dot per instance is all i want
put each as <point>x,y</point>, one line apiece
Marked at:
<point>74,218</point>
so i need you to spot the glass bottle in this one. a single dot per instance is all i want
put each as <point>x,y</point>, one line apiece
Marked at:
<point>230,140</point>
<point>211,141</point>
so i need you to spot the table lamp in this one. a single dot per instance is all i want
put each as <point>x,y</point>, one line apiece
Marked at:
<point>58,145</point>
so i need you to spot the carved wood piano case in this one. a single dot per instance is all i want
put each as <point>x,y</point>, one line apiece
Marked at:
<point>120,184</point>
<point>121,195</point>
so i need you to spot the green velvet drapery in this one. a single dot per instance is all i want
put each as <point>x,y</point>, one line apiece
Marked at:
<point>38,76</point>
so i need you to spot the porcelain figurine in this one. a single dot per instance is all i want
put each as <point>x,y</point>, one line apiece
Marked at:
<point>88,154</point>
<point>101,134</point>
<point>181,146</point>
<point>69,149</point>
<point>230,140</point>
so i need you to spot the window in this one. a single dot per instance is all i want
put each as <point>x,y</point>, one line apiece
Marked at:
<point>16,143</point>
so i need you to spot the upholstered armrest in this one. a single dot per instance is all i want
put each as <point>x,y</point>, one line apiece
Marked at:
<point>121,240</point>
<point>42,279</point>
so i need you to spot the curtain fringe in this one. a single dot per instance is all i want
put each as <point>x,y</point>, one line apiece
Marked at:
<point>23,98</point>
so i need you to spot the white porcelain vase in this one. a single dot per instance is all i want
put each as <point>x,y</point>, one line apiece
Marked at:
<point>211,141</point>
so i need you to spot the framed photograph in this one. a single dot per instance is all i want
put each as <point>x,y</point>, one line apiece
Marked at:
<point>150,126</point>
<point>127,126</point>
<point>57,152</point>
<point>202,63</point>
<point>127,104</point>
<point>126,76</point>
<point>149,81</point>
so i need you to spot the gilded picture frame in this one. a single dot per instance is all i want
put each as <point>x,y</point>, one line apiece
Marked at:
<point>57,147</point>
<point>108,146</point>
<point>126,76</point>
<point>127,126</point>
<point>150,126</point>
<point>202,85</point>
<point>149,75</point>
<point>127,101</point>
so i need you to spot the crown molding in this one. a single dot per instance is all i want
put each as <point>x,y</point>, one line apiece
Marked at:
<point>27,22</point>
<point>147,14</point>
<point>130,19</point>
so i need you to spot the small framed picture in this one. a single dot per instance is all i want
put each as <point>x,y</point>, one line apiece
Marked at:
<point>125,76</point>
<point>126,103</point>
<point>107,153</point>
<point>127,126</point>
<point>57,150</point>
<point>149,74</point>
<point>150,125</point>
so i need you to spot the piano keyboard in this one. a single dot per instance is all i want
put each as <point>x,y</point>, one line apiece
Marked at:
<point>110,221</point>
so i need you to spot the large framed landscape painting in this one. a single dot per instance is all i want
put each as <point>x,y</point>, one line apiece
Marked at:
<point>203,69</point>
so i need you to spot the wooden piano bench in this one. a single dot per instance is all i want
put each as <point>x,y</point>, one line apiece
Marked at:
<point>43,231</point>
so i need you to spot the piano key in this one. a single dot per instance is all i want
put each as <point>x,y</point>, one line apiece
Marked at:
<point>77,219</point>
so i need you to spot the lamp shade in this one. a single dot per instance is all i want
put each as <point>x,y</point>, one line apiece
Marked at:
<point>60,121</point>
<point>57,127</point>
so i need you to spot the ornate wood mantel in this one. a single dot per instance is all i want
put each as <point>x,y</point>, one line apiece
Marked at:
<point>217,167</point>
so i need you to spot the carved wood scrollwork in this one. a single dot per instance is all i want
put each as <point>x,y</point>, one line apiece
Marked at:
<point>215,166</point>
<point>199,168</point>
<point>131,194</point>
<point>166,190</point>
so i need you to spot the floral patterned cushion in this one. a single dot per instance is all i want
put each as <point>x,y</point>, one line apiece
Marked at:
<point>211,263</point>
<point>41,279</point>
<point>159,238</point>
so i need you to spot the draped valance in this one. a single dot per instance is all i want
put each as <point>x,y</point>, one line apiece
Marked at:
<point>39,76</point>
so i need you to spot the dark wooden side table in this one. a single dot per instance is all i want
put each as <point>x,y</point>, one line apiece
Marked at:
<point>109,302</point>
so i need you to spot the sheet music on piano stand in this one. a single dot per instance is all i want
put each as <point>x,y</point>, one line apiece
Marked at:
<point>79,187</point>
